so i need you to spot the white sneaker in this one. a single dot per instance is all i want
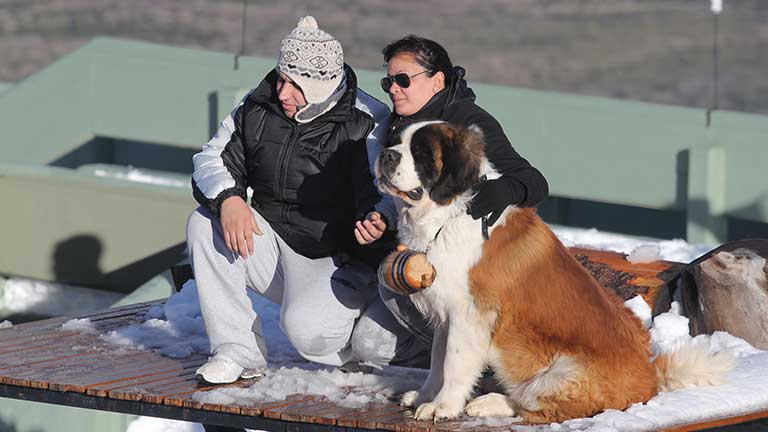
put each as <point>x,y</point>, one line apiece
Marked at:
<point>221,369</point>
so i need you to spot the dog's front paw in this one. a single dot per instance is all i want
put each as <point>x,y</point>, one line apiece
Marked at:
<point>490,405</point>
<point>438,411</point>
<point>425,411</point>
<point>409,398</point>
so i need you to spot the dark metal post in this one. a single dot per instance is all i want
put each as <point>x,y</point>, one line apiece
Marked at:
<point>243,26</point>
<point>715,103</point>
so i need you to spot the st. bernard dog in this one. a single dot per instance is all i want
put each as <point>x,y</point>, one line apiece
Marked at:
<point>561,346</point>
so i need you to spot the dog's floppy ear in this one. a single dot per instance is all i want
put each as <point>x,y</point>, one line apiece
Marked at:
<point>462,154</point>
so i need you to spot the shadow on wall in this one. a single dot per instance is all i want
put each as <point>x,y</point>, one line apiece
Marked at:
<point>76,261</point>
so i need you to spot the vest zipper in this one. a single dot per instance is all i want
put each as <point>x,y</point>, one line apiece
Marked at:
<point>286,152</point>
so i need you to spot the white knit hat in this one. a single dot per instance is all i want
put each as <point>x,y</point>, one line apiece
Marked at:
<point>313,59</point>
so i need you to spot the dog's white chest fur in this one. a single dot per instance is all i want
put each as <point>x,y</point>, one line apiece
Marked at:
<point>452,246</point>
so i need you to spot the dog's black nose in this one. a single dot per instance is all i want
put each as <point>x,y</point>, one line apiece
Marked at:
<point>388,160</point>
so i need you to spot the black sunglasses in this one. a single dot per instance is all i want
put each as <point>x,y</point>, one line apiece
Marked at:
<point>402,79</point>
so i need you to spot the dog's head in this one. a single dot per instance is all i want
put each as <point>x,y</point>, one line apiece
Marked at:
<point>431,161</point>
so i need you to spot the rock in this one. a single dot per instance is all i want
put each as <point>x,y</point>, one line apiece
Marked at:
<point>727,289</point>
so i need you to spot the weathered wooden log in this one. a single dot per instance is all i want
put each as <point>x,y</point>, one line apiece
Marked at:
<point>727,289</point>
<point>653,281</point>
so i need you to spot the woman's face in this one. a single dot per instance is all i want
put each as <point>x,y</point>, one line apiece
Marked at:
<point>408,101</point>
<point>290,95</point>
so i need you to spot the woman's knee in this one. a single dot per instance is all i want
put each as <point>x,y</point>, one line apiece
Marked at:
<point>371,342</point>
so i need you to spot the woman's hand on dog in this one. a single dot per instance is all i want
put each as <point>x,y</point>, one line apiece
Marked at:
<point>370,229</point>
<point>491,199</point>
<point>239,225</point>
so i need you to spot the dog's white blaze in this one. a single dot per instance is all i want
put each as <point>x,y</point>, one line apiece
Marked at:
<point>405,177</point>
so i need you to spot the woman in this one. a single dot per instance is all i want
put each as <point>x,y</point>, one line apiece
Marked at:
<point>423,84</point>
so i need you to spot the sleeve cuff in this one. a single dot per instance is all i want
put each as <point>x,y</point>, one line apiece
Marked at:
<point>386,207</point>
<point>219,200</point>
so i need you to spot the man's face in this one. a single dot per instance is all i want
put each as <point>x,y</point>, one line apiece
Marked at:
<point>290,95</point>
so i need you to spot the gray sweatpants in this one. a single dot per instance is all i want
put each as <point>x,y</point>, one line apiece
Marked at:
<point>330,311</point>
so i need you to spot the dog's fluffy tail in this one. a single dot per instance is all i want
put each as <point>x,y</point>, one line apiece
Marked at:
<point>690,365</point>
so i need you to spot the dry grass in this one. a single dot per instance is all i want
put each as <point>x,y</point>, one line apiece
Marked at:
<point>651,50</point>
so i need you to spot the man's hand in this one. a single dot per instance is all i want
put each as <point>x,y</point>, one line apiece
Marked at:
<point>370,229</point>
<point>239,225</point>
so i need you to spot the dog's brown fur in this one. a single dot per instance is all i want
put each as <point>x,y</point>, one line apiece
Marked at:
<point>548,305</point>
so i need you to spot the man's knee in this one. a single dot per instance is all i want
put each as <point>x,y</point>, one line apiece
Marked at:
<point>313,333</point>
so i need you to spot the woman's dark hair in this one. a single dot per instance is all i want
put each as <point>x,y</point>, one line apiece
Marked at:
<point>427,53</point>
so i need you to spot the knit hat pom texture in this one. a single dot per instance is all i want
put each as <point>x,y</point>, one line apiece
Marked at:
<point>313,59</point>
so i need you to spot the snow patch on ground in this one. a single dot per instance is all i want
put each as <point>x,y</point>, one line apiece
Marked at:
<point>641,309</point>
<point>19,295</point>
<point>153,424</point>
<point>645,253</point>
<point>346,389</point>
<point>175,330</point>
<point>82,325</point>
<point>670,250</point>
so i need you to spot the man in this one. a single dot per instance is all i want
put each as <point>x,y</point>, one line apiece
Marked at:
<point>301,142</point>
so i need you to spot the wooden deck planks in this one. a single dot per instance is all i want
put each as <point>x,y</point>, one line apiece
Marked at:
<point>320,411</point>
<point>158,376</point>
<point>126,369</point>
<point>38,330</point>
<point>41,355</point>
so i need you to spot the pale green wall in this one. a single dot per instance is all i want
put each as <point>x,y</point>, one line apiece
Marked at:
<point>122,102</point>
<point>49,113</point>
<point>598,149</point>
<point>24,416</point>
<point>4,87</point>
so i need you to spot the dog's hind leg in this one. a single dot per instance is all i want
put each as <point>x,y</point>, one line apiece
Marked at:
<point>465,356</point>
<point>434,381</point>
<point>555,393</point>
<point>490,405</point>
